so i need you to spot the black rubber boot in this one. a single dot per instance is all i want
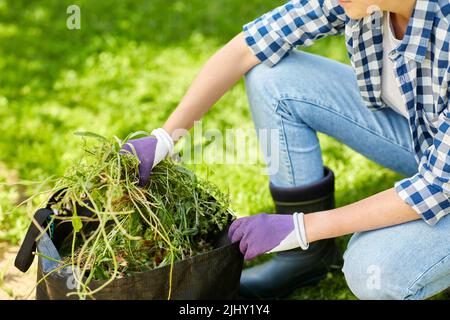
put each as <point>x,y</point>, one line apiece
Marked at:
<point>292,269</point>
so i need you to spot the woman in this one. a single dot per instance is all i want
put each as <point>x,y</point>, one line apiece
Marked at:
<point>391,105</point>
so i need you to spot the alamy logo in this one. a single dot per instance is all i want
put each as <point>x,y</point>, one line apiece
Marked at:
<point>73,21</point>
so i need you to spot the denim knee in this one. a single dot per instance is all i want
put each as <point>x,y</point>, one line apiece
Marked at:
<point>376,271</point>
<point>257,82</point>
<point>372,279</point>
<point>376,267</point>
<point>299,76</point>
<point>408,261</point>
<point>267,87</point>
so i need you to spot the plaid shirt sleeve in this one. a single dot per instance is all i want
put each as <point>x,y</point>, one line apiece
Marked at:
<point>428,191</point>
<point>296,23</point>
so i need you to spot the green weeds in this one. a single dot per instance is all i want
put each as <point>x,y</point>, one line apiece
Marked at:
<point>133,229</point>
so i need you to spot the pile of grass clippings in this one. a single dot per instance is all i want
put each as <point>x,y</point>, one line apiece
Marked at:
<point>136,229</point>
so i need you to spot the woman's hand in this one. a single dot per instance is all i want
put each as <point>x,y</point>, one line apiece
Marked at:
<point>264,233</point>
<point>150,151</point>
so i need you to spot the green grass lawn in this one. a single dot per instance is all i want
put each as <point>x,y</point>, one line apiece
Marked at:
<point>126,70</point>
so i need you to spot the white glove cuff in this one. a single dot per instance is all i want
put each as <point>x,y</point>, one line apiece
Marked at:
<point>164,145</point>
<point>299,223</point>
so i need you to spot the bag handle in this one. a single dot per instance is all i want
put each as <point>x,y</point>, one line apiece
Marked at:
<point>25,256</point>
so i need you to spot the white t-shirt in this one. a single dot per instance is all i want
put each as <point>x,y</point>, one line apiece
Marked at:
<point>390,92</point>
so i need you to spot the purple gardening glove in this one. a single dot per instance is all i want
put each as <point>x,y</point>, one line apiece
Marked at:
<point>263,233</point>
<point>145,151</point>
<point>150,151</point>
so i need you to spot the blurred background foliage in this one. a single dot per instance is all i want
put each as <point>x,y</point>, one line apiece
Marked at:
<point>125,70</point>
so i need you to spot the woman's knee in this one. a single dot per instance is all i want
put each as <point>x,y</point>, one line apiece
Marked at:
<point>267,87</point>
<point>256,80</point>
<point>371,277</point>
<point>290,75</point>
<point>379,264</point>
<point>298,76</point>
<point>390,263</point>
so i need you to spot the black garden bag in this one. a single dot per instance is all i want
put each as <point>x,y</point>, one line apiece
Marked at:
<point>211,275</point>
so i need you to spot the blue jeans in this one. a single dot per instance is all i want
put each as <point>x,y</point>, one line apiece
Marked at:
<point>305,94</point>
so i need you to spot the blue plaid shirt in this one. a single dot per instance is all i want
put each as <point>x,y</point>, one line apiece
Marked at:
<point>422,72</point>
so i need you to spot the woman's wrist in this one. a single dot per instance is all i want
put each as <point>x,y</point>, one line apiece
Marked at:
<point>310,227</point>
<point>317,225</point>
